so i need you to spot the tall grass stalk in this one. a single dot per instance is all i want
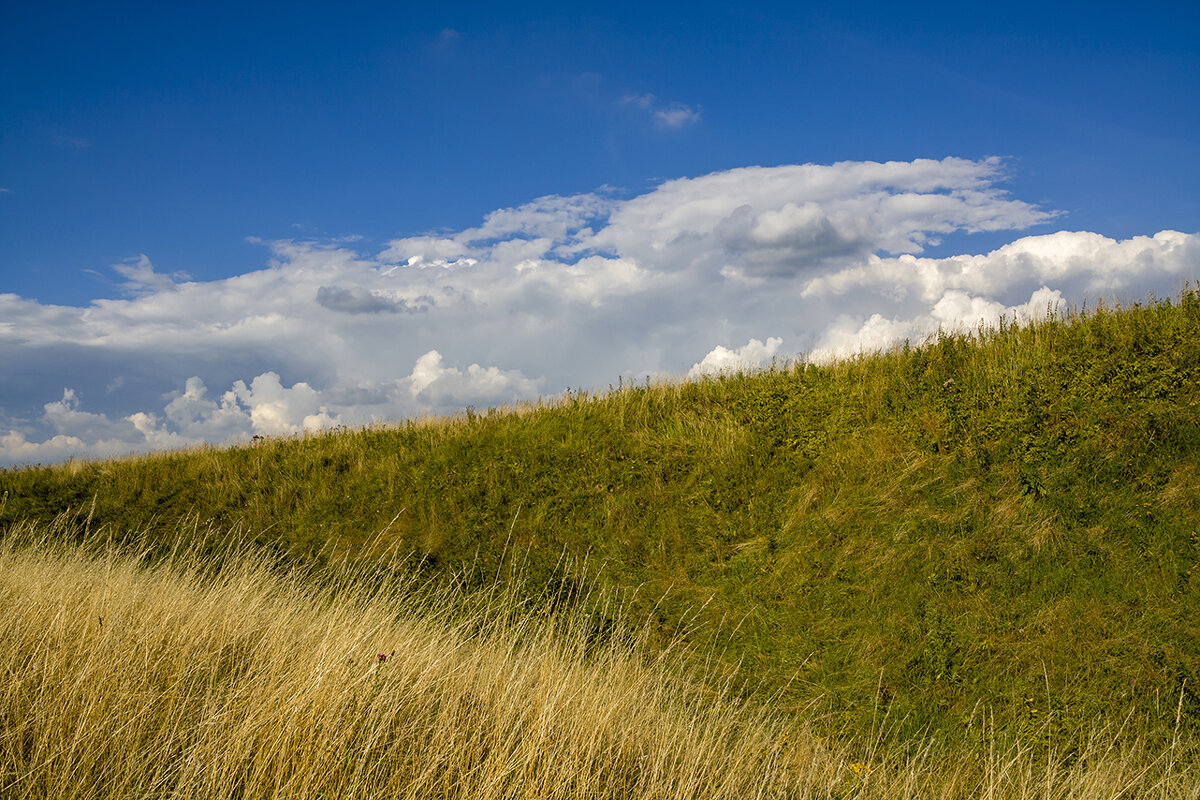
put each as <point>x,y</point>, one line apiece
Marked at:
<point>191,676</point>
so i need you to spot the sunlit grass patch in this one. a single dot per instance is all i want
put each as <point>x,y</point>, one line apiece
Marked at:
<point>191,678</point>
<point>184,681</point>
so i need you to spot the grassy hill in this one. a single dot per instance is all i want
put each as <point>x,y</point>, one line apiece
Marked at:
<point>996,530</point>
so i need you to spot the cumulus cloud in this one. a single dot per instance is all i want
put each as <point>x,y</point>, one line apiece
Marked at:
<point>749,356</point>
<point>786,221</point>
<point>17,449</point>
<point>197,417</point>
<point>262,407</point>
<point>452,386</point>
<point>1088,262</point>
<point>66,418</point>
<point>278,411</point>
<point>955,312</point>
<point>558,292</point>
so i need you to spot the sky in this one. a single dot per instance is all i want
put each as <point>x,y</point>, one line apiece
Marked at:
<point>224,220</point>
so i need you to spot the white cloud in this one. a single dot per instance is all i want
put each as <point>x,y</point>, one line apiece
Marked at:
<point>430,379</point>
<point>955,312</point>
<point>141,279</point>
<point>65,418</point>
<point>786,221</point>
<point>1088,262</point>
<point>264,407</point>
<point>198,418</point>
<point>561,291</point>
<point>676,115</point>
<point>749,356</point>
<point>16,449</point>
<point>847,337</point>
<point>278,411</point>
<point>671,115</point>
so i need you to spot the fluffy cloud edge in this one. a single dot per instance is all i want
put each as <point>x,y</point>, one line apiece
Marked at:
<point>574,290</point>
<point>956,312</point>
<point>750,356</point>
<point>264,407</point>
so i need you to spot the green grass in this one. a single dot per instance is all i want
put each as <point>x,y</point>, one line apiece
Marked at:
<point>1000,527</point>
<point>230,675</point>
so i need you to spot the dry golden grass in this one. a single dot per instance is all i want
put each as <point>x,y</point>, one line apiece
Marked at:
<point>187,678</point>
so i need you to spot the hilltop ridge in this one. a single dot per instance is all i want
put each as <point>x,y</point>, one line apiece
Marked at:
<point>1005,522</point>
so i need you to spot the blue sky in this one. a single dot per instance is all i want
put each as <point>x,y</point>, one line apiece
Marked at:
<point>162,166</point>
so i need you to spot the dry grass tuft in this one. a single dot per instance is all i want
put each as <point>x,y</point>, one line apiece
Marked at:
<point>191,678</point>
<point>127,681</point>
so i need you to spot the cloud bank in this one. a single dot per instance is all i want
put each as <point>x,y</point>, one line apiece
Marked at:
<point>699,275</point>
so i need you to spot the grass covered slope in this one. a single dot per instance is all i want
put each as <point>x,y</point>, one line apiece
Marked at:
<point>196,680</point>
<point>194,677</point>
<point>1004,527</point>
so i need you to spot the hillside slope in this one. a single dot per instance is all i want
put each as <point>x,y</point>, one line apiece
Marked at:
<point>1004,525</point>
